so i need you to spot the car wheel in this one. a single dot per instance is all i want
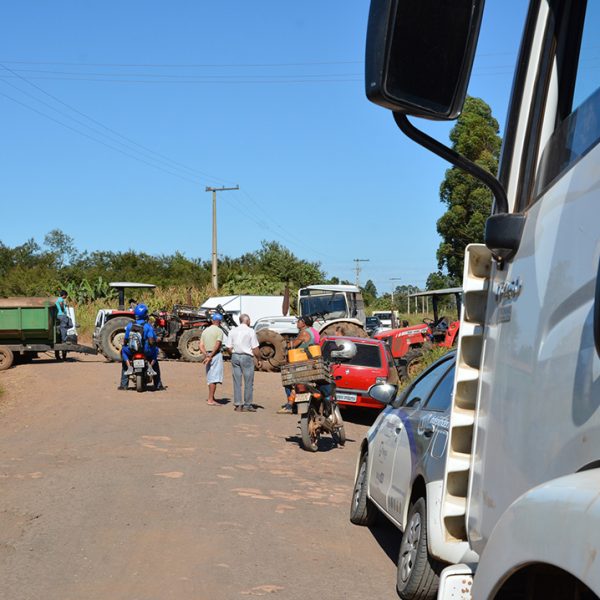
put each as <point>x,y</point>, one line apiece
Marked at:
<point>362,510</point>
<point>418,573</point>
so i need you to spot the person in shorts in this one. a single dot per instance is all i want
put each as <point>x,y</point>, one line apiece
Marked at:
<point>211,344</point>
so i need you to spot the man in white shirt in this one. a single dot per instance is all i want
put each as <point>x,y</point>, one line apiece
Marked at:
<point>244,346</point>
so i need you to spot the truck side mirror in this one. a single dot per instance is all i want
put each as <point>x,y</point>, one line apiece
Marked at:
<point>420,53</point>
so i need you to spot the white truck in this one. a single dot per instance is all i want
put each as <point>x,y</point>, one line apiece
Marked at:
<point>257,307</point>
<point>521,491</point>
<point>335,309</point>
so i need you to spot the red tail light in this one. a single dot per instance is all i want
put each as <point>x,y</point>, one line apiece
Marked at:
<point>138,355</point>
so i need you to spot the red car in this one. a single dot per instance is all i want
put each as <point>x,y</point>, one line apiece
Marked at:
<point>372,364</point>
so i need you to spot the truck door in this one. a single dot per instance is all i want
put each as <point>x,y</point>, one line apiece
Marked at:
<point>539,396</point>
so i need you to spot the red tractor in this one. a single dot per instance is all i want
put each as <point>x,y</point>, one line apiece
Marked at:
<point>408,343</point>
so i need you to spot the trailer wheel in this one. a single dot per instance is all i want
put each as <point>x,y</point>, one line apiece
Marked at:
<point>6,358</point>
<point>341,328</point>
<point>112,336</point>
<point>271,346</point>
<point>189,346</point>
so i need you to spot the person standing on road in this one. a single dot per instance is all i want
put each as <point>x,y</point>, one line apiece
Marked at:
<point>211,343</point>
<point>64,322</point>
<point>244,346</point>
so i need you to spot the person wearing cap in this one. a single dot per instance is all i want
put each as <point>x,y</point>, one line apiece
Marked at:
<point>211,343</point>
<point>243,343</point>
<point>304,339</point>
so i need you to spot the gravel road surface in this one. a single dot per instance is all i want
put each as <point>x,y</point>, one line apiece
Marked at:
<point>109,495</point>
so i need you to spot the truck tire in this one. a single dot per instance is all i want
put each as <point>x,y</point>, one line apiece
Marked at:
<point>7,358</point>
<point>112,336</point>
<point>341,328</point>
<point>189,346</point>
<point>271,346</point>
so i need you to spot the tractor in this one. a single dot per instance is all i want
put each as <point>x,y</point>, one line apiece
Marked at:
<point>178,331</point>
<point>408,343</point>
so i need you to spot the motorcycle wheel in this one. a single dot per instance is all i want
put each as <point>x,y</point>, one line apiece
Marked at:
<point>140,383</point>
<point>309,431</point>
<point>339,434</point>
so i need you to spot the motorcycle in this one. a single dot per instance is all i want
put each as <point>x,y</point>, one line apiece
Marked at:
<point>142,374</point>
<point>316,404</point>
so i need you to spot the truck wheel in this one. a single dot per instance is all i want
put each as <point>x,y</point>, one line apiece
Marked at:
<point>112,336</point>
<point>189,346</point>
<point>6,358</point>
<point>271,346</point>
<point>341,328</point>
<point>411,364</point>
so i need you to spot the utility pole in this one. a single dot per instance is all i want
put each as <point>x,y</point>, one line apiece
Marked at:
<point>215,280</point>
<point>394,324</point>
<point>358,269</point>
<point>394,279</point>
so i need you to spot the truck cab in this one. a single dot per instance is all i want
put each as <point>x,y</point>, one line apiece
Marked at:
<point>523,452</point>
<point>335,309</point>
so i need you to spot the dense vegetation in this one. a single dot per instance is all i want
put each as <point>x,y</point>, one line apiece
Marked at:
<point>32,269</point>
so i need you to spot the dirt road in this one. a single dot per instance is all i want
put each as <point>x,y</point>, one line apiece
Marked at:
<point>109,495</point>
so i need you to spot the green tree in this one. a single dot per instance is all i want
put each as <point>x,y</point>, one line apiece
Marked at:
<point>369,292</point>
<point>468,201</point>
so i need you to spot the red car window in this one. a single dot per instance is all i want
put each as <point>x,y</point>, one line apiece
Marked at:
<point>367,355</point>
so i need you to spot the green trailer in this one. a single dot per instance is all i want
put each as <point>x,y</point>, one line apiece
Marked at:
<point>29,326</point>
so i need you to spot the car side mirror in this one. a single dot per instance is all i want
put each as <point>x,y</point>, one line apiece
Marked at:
<point>420,53</point>
<point>383,392</point>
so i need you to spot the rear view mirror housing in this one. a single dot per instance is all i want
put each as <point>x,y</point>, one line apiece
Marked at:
<point>420,53</point>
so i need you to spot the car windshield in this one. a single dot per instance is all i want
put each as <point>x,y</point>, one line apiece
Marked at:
<point>367,355</point>
<point>372,320</point>
<point>331,305</point>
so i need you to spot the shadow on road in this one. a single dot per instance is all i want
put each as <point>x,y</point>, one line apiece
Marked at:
<point>325,443</point>
<point>359,416</point>
<point>388,538</point>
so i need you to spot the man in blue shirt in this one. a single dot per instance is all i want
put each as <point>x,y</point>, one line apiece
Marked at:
<point>149,347</point>
<point>64,322</point>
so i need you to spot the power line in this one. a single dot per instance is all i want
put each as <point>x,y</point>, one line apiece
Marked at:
<point>82,133</point>
<point>79,112</point>
<point>183,65</point>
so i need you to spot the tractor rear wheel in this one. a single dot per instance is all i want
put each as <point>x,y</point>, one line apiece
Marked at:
<point>271,346</point>
<point>112,336</point>
<point>189,346</point>
<point>411,364</point>
<point>343,328</point>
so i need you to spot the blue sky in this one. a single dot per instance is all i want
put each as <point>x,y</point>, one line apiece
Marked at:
<point>115,116</point>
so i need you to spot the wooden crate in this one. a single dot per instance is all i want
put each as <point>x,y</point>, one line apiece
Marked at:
<point>307,371</point>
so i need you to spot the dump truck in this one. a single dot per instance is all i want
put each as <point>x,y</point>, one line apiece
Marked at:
<point>29,326</point>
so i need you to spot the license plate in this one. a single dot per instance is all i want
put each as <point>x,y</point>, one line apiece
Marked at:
<point>301,398</point>
<point>139,364</point>
<point>344,397</point>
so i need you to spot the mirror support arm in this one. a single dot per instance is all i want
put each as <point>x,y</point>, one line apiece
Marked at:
<point>454,158</point>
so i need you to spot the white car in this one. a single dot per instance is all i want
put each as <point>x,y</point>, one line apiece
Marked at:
<point>400,472</point>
